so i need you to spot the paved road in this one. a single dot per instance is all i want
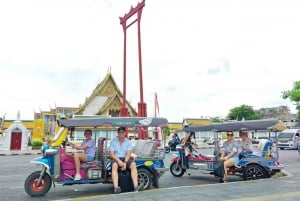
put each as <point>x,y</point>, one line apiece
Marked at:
<point>15,169</point>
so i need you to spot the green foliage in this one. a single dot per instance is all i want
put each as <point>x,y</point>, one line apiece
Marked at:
<point>216,120</point>
<point>36,144</point>
<point>167,131</point>
<point>243,111</point>
<point>293,95</point>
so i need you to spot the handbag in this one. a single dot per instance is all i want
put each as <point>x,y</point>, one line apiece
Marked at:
<point>219,169</point>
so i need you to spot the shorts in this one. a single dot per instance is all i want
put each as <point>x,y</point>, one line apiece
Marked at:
<point>89,158</point>
<point>236,160</point>
<point>128,164</point>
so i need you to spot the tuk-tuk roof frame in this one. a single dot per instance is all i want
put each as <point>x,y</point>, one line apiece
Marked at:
<point>250,125</point>
<point>114,122</point>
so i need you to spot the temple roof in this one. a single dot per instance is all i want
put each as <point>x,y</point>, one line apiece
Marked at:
<point>106,95</point>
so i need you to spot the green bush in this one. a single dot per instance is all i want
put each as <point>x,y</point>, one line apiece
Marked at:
<point>36,144</point>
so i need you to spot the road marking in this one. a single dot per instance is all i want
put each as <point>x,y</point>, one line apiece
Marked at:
<point>276,196</point>
<point>11,175</point>
<point>16,187</point>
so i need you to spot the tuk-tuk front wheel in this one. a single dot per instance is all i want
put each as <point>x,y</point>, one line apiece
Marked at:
<point>144,178</point>
<point>31,184</point>
<point>176,169</point>
<point>253,172</point>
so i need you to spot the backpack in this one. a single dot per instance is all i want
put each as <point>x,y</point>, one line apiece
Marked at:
<point>219,169</point>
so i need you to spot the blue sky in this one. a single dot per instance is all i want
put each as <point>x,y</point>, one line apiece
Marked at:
<point>201,57</point>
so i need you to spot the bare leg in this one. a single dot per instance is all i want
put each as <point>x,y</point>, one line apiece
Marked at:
<point>77,158</point>
<point>114,174</point>
<point>228,163</point>
<point>134,174</point>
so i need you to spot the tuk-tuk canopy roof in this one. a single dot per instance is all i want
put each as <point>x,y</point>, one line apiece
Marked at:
<point>114,122</point>
<point>252,125</point>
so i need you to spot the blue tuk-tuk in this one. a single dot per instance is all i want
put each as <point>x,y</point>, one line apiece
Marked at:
<point>58,167</point>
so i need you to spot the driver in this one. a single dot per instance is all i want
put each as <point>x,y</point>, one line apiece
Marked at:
<point>89,147</point>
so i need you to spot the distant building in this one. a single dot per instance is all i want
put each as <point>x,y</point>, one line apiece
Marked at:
<point>15,137</point>
<point>281,112</point>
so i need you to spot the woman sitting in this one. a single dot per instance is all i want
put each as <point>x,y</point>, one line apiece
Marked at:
<point>245,144</point>
<point>229,154</point>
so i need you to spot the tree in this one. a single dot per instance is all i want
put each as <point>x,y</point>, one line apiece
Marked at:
<point>294,96</point>
<point>216,120</point>
<point>243,112</point>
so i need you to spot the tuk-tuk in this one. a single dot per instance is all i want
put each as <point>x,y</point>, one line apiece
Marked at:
<point>262,163</point>
<point>58,167</point>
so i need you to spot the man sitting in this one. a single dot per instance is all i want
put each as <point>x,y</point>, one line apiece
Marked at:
<point>120,152</point>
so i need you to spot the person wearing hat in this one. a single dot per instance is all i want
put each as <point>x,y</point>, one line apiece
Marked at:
<point>120,153</point>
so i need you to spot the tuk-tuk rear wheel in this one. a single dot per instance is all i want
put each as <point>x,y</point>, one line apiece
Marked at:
<point>31,184</point>
<point>253,172</point>
<point>144,178</point>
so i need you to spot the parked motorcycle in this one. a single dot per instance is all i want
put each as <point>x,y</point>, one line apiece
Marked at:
<point>171,146</point>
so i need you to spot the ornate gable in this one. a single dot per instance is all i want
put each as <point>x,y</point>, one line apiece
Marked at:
<point>105,97</point>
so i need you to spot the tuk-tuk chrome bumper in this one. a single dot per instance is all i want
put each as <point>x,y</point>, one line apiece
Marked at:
<point>161,171</point>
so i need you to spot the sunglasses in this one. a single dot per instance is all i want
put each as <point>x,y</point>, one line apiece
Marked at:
<point>230,134</point>
<point>121,132</point>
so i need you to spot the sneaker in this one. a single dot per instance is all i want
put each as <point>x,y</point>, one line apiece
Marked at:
<point>117,190</point>
<point>77,177</point>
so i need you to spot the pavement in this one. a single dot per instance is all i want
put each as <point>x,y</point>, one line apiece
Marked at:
<point>282,187</point>
<point>275,188</point>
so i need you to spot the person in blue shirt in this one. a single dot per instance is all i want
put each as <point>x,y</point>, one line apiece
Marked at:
<point>120,153</point>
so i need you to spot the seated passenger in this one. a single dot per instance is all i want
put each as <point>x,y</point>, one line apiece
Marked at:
<point>229,154</point>
<point>245,144</point>
<point>89,147</point>
<point>120,152</point>
<point>188,147</point>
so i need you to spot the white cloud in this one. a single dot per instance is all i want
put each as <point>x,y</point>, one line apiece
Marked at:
<point>201,57</point>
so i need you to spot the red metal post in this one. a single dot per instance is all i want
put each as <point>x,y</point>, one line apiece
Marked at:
<point>142,108</point>
<point>124,109</point>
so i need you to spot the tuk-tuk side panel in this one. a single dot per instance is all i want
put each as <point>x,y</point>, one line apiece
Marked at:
<point>152,164</point>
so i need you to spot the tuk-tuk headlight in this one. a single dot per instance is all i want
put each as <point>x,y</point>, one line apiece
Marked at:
<point>43,148</point>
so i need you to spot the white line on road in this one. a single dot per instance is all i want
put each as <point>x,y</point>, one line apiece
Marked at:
<point>16,187</point>
<point>11,175</point>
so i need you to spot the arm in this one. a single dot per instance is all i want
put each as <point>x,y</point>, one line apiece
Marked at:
<point>116,158</point>
<point>128,152</point>
<point>231,154</point>
<point>223,151</point>
<point>128,155</point>
<point>77,147</point>
<point>233,151</point>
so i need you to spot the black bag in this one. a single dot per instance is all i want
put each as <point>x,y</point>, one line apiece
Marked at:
<point>244,154</point>
<point>219,169</point>
<point>125,181</point>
